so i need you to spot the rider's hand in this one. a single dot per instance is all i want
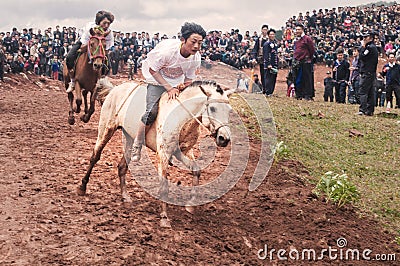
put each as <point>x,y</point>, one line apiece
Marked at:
<point>173,93</point>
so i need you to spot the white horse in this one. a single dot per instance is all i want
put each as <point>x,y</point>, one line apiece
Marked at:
<point>171,134</point>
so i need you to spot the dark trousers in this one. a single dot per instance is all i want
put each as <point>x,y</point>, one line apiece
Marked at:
<point>304,81</point>
<point>367,95</point>
<point>2,71</point>
<point>328,94</point>
<point>270,81</point>
<point>340,91</point>
<point>389,94</point>
<point>356,88</point>
<point>262,74</point>
<point>72,55</point>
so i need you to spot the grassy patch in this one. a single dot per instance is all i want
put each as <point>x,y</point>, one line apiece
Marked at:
<point>323,143</point>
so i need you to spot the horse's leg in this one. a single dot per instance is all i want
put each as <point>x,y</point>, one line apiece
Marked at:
<point>193,166</point>
<point>163,191</point>
<point>123,169</point>
<point>85,103</point>
<point>71,118</point>
<point>78,91</point>
<point>86,117</point>
<point>104,136</point>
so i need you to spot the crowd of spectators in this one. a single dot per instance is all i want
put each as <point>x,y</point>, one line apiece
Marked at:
<point>341,29</point>
<point>331,29</point>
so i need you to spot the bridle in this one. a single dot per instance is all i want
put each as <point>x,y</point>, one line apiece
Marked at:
<point>99,52</point>
<point>216,124</point>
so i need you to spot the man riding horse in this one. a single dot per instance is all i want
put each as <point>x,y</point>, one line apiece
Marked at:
<point>169,67</point>
<point>102,23</point>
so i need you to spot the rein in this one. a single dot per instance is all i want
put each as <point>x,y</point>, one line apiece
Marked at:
<point>99,49</point>
<point>209,117</point>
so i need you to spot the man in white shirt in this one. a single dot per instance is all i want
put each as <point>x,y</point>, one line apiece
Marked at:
<point>103,20</point>
<point>169,67</point>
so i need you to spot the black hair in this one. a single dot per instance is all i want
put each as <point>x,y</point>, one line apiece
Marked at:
<point>300,25</point>
<point>190,28</point>
<point>339,51</point>
<point>100,15</point>
<point>271,30</point>
<point>264,26</point>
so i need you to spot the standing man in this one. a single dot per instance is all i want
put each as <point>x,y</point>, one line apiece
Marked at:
<point>341,74</point>
<point>368,59</point>
<point>355,75</point>
<point>270,58</point>
<point>302,64</point>
<point>258,52</point>
<point>391,71</point>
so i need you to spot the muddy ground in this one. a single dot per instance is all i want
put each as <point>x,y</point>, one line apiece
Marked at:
<point>44,221</point>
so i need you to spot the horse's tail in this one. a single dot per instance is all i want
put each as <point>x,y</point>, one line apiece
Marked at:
<point>104,87</point>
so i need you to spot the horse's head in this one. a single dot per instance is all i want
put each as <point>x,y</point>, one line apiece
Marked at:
<point>96,47</point>
<point>216,115</point>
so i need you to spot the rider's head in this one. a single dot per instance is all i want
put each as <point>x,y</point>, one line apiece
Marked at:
<point>192,36</point>
<point>104,19</point>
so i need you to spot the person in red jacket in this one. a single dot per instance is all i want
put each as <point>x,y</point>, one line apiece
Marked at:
<point>302,65</point>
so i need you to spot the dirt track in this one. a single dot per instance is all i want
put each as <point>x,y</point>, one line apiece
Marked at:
<point>44,222</point>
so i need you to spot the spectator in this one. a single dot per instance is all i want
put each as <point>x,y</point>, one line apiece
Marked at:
<point>256,85</point>
<point>379,91</point>
<point>355,76</point>
<point>131,66</point>
<point>270,57</point>
<point>258,50</point>
<point>368,59</point>
<point>55,67</point>
<point>302,64</point>
<point>2,62</point>
<point>329,83</point>
<point>391,72</point>
<point>341,75</point>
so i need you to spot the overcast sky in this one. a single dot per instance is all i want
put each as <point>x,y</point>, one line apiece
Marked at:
<point>156,16</point>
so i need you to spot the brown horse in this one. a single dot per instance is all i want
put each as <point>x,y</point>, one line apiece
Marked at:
<point>87,72</point>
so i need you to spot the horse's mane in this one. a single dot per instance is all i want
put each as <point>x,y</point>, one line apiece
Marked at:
<point>197,83</point>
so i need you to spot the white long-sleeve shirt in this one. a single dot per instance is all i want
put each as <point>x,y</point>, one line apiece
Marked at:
<point>84,35</point>
<point>166,58</point>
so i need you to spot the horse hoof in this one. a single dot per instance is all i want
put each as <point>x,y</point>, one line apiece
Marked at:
<point>80,191</point>
<point>126,199</point>
<point>84,118</point>
<point>71,120</point>
<point>189,209</point>
<point>165,223</point>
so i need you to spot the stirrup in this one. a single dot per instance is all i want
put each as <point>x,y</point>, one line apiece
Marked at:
<point>71,87</point>
<point>136,152</point>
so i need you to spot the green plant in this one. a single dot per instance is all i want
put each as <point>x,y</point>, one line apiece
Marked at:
<point>281,151</point>
<point>337,188</point>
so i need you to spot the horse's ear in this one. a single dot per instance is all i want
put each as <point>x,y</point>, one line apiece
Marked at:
<point>92,33</point>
